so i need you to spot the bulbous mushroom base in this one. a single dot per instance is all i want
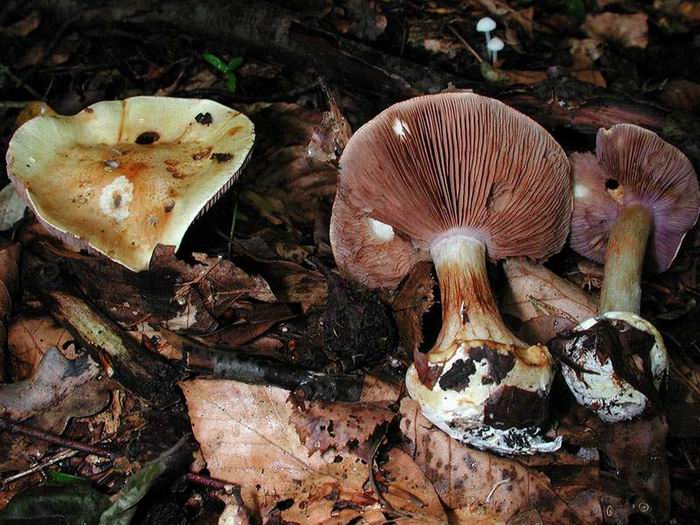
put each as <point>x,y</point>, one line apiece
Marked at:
<point>489,395</point>
<point>613,364</point>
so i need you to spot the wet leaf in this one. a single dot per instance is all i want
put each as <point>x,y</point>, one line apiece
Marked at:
<point>22,27</point>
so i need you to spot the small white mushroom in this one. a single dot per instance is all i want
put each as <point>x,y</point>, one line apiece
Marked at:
<point>494,46</point>
<point>486,25</point>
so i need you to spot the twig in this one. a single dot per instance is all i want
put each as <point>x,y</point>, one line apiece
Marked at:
<point>212,483</point>
<point>4,70</point>
<point>233,221</point>
<point>465,43</point>
<point>26,430</point>
<point>41,466</point>
<point>370,467</point>
<point>262,371</point>
<point>11,104</point>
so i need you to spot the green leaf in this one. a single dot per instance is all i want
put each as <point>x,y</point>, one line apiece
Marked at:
<point>216,63</point>
<point>61,478</point>
<point>231,82</point>
<point>56,504</point>
<point>235,63</point>
<point>138,485</point>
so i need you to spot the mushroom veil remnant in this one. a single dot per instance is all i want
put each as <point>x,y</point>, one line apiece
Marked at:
<point>121,177</point>
<point>464,177</point>
<point>634,201</point>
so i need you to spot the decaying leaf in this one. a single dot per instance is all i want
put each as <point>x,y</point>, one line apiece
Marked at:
<point>9,286</point>
<point>682,94</point>
<point>245,437</point>
<point>628,30</point>
<point>28,339</point>
<point>465,477</point>
<point>322,426</point>
<point>60,389</point>
<point>543,303</point>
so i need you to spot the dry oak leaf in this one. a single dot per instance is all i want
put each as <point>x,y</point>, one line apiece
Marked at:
<point>9,287</point>
<point>246,439</point>
<point>544,303</point>
<point>628,30</point>
<point>469,478</point>
<point>322,426</point>
<point>28,339</point>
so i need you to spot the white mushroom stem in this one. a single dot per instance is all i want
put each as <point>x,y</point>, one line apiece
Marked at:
<point>469,310</point>
<point>624,260</point>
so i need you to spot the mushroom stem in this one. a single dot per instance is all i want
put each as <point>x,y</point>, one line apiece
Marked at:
<point>624,260</point>
<point>469,310</point>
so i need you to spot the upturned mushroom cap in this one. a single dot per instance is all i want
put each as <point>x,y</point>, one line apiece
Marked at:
<point>633,166</point>
<point>121,177</point>
<point>367,251</point>
<point>461,163</point>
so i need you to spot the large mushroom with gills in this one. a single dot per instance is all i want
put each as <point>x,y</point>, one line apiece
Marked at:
<point>634,201</point>
<point>121,177</point>
<point>465,177</point>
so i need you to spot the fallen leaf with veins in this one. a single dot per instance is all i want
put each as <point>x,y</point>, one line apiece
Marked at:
<point>544,303</point>
<point>322,426</point>
<point>465,477</point>
<point>28,339</point>
<point>246,439</point>
<point>628,30</point>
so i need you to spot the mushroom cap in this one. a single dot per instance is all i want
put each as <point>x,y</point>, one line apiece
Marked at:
<point>461,163</point>
<point>367,251</point>
<point>485,24</point>
<point>495,44</point>
<point>633,165</point>
<point>121,177</point>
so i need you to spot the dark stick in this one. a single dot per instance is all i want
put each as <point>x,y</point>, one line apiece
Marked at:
<point>20,428</point>
<point>260,371</point>
<point>212,483</point>
<point>139,371</point>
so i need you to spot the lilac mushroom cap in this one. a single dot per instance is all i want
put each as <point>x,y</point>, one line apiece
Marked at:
<point>368,251</point>
<point>633,166</point>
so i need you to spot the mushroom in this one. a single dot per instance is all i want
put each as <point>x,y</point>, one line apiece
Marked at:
<point>486,25</point>
<point>634,201</point>
<point>464,176</point>
<point>494,46</point>
<point>121,177</point>
<point>368,251</point>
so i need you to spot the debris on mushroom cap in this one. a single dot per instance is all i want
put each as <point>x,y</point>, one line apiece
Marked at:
<point>455,162</point>
<point>615,364</point>
<point>368,251</point>
<point>633,166</point>
<point>121,177</point>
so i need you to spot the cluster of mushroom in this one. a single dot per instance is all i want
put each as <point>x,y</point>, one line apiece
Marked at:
<point>457,178</point>
<point>493,45</point>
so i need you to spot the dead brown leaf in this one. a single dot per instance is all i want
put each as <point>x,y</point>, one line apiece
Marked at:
<point>682,94</point>
<point>322,426</point>
<point>628,30</point>
<point>487,484</point>
<point>542,301</point>
<point>29,337</point>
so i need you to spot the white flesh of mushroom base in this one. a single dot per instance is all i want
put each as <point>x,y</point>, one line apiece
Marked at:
<point>596,385</point>
<point>489,389</point>
<point>121,177</point>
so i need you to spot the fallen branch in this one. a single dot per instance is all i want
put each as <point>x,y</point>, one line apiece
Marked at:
<point>139,371</point>
<point>306,384</point>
